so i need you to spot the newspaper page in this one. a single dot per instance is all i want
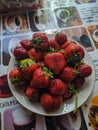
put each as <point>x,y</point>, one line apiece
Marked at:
<point>20,19</point>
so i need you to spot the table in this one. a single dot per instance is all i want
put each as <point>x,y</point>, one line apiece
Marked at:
<point>80,23</point>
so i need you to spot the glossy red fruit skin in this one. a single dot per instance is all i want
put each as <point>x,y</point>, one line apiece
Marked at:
<point>54,44</point>
<point>73,49</point>
<point>40,64</point>
<point>50,103</point>
<point>60,38</point>
<point>67,94</point>
<point>20,53</point>
<point>40,41</point>
<point>39,79</point>
<point>26,44</point>
<point>27,72</point>
<point>66,44</point>
<point>84,70</point>
<point>55,62</point>
<point>56,87</point>
<point>27,67</point>
<point>32,93</point>
<point>79,81</point>
<point>35,55</point>
<point>15,77</point>
<point>67,74</point>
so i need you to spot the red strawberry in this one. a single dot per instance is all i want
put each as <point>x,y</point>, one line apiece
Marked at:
<point>66,44</point>
<point>50,103</point>
<point>84,70</point>
<point>79,81</point>
<point>60,38</point>
<point>27,67</point>
<point>20,53</point>
<point>56,87</point>
<point>54,44</point>
<point>35,55</point>
<point>32,93</point>
<point>15,77</point>
<point>26,44</point>
<point>67,94</point>
<point>68,74</point>
<point>40,64</point>
<point>73,54</point>
<point>55,61</point>
<point>40,79</point>
<point>73,49</point>
<point>40,41</point>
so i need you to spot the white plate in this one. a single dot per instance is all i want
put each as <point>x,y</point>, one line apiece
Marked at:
<point>67,106</point>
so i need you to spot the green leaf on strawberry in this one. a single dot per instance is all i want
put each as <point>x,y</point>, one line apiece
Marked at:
<point>25,63</point>
<point>47,72</point>
<point>27,67</point>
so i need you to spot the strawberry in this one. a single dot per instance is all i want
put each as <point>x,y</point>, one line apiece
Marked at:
<point>26,44</point>
<point>15,77</point>
<point>56,87</point>
<point>68,74</point>
<point>73,54</point>
<point>60,38</point>
<point>20,53</point>
<point>40,64</point>
<point>35,55</point>
<point>55,61</point>
<point>54,44</point>
<point>67,94</point>
<point>40,41</point>
<point>73,49</point>
<point>27,67</point>
<point>51,103</point>
<point>32,93</point>
<point>40,78</point>
<point>79,81</point>
<point>66,44</point>
<point>84,70</point>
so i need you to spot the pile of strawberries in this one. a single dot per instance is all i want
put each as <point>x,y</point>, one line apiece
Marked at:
<point>50,70</point>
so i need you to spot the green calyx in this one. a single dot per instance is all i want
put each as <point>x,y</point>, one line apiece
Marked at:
<point>52,49</point>
<point>37,41</point>
<point>26,63</point>
<point>47,72</point>
<point>16,81</point>
<point>74,58</point>
<point>35,97</point>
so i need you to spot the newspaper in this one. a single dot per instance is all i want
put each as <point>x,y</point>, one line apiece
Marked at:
<point>23,21</point>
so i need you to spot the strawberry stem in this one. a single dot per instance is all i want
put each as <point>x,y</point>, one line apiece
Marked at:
<point>76,103</point>
<point>74,91</point>
<point>75,57</point>
<point>47,72</point>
